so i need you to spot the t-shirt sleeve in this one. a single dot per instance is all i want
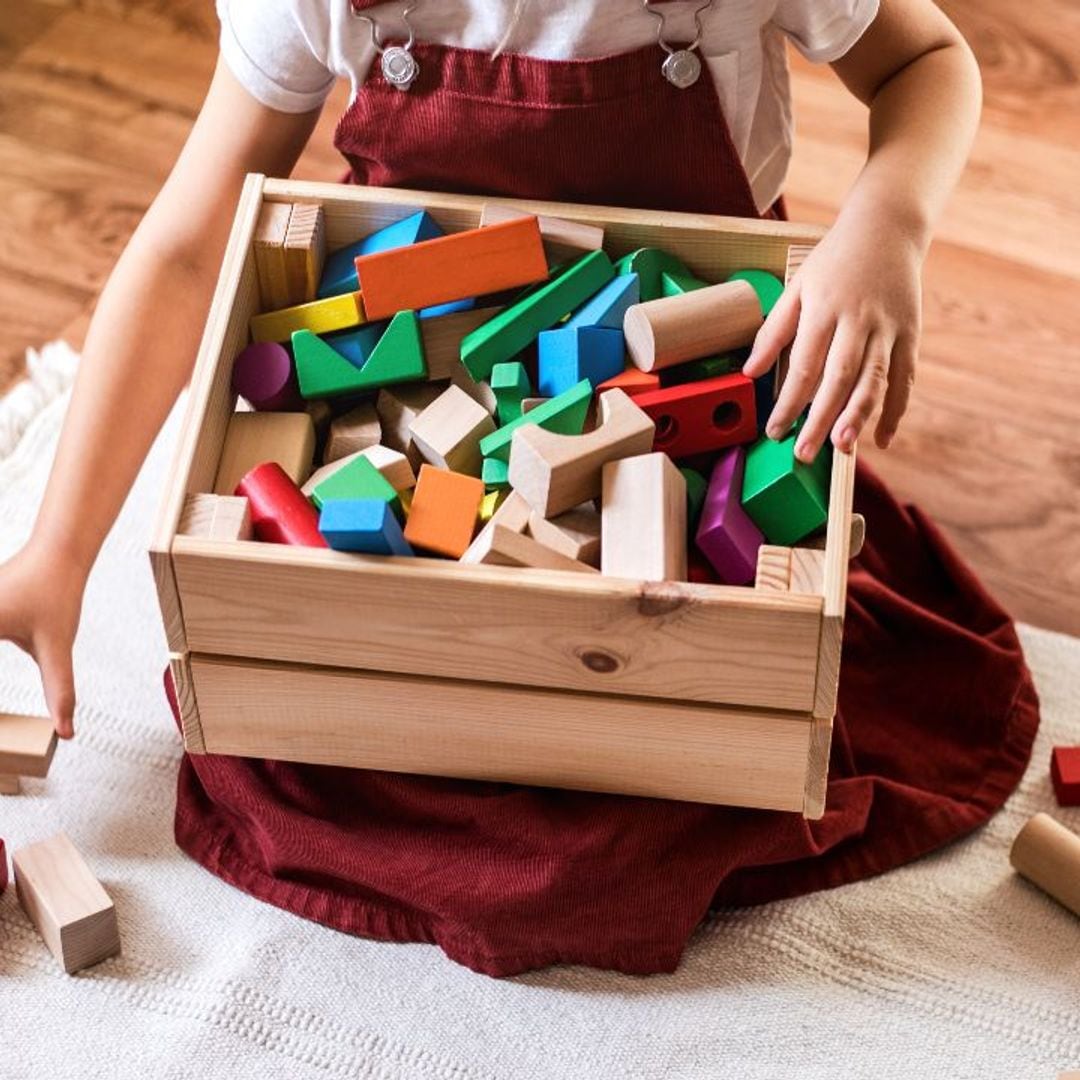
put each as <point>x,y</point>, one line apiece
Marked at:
<point>824,30</point>
<point>276,49</point>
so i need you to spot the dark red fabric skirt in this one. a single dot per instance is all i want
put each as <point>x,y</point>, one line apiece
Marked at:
<point>936,719</point>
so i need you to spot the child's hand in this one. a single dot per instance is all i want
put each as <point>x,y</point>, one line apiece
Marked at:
<point>853,311</point>
<point>40,603</point>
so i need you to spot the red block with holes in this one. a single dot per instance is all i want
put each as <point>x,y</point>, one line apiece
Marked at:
<point>697,417</point>
<point>1065,774</point>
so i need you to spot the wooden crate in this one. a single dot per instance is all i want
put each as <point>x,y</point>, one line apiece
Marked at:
<point>687,691</point>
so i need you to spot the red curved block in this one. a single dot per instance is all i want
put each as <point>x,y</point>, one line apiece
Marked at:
<point>697,417</point>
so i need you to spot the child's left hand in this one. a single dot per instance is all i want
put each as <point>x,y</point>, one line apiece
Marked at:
<point>853,311</point>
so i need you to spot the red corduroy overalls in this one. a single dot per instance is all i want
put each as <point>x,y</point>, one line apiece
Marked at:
<point>937,710</point>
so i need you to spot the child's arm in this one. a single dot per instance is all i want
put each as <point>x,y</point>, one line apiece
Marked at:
<point>854,308</point>
<point>138,355</point>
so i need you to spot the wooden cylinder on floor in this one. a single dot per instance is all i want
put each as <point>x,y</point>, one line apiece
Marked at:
<point>676,329</point>
<point>1048,855</point>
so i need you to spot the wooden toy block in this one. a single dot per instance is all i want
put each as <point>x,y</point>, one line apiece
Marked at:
<point>609,306</point>
<point>572,353</point>
<point>280,514</point>
<point>305,251</point>
<point>356,345</point>
<point>556,472</point>
<point>394,467</point>
<point>650,264</point>
<point>269,247</point>
<point>643,519</point>
<point>575,533</point>
<point>513,514</point>
<point>786,498</point>
<point>1065,774</point>
<point>27,745</point>
<point>357,479</point>
<point>564,414</point>
<point>563,240</point>
<point>677,284</point>
<point>632,382</point>
<point>357,429</point>
<point>490,503</point>
<point>321,371</point>
<point>263,375</point>
<point>725,535</point>
<point>495,474</point>
<point>339,273</point>
<point>504,547</point>
<point>397,409</point>
<point>318,316</point>
<point>807,571</point>
<point>517,326</point>
<point>675,329</point>
<point>365,525</point>
<point>399,355</point>
<point>695,418</point>
<point>1048,855</point>
<point>510,382</point>
<point>855,542</point>
<point>773,568</point>
<point>448,432</point>
<point>252,438</point>
<point>530,403</point>
<point>66,903</point>
<point>769,287</point>
<point>444,510</point>
<point>696,487</point>
<point>454,267</point>
<point>9,785</point>
<point>442,337</point>
<point>216,517</point>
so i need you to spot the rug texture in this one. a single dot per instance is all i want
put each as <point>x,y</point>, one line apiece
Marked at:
<point>949,967</point>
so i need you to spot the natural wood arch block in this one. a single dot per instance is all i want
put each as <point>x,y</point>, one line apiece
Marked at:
<point>557,472</point>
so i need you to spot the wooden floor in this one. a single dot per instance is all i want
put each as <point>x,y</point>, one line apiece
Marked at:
<point>96,96</point>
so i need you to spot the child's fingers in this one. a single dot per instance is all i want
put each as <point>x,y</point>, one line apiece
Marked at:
<point>842,366</point>
<point>804,370</point>
<point>869,390</point>
<point>775,334</point>
<point>54,660</point>
<point>901,380</point>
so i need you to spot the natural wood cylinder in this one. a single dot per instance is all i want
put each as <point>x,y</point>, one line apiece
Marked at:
<point>1048,854</point>
<point>676,329</point>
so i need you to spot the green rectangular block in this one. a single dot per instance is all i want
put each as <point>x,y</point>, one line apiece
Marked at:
<point>510,384</point>
<point>495,474</point>
<point>515,327</point>
<point>563,414</point>
<point>359,479</point>
<point>786,498</point>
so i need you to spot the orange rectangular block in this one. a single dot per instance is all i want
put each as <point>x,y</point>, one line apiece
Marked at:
<point>444,511</point>
<point>453,267</point>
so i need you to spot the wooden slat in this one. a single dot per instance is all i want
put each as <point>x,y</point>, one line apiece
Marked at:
<point>578,631</point>
<point>489,732</point>
<point>190,727</point>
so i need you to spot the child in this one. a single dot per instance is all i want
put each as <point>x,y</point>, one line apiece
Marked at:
<point>677,106</point>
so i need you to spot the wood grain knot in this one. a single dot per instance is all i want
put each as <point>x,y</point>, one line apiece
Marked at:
<point>660,599</point>
<point>600,661</point>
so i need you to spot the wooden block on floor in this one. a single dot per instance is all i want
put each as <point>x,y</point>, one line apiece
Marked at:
<point>448,432</point>
<point>575,533</point>
<point>444,511</point>
<point>773,568</point>
<point>305,251</point>
<point>216,517</point>
<point>564,414</point>
<point>257,437</point>
<point>557,472</point>
<point>358,429</point>
<point>643,523</point>
<point>697,418</point>
<point>563,240</point>
<point>503,547</point>
<point>1048,855</point>
<point>454,267</point>
<point>319,316</point>
<point>66,902</point>
<point>27,744</point>
<point>512,513</point>
<point>269,246</point>
<point>1065,774</point>
<point>9,785</point>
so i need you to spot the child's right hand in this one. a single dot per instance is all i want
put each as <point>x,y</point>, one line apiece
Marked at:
<point>40,604</point>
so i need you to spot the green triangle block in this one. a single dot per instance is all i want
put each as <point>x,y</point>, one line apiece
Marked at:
<point>495,474</point>
<point>677,284</point>
<point>359,479</point>
<point>650,264</point>
<point>563,414</point>
<point>322,371</point>
<point>399,355</point>
<point>767,286</point>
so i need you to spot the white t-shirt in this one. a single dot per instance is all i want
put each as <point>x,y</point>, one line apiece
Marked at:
<point>288,53</point>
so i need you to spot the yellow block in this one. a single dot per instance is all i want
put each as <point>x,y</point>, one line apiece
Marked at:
<point>405,498</point>
<point>490,503</point>
<point>320,317</point>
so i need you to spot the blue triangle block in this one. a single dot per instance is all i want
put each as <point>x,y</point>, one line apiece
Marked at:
<point>570,354</point>
<point>609,305</point>
<point>356,345</point>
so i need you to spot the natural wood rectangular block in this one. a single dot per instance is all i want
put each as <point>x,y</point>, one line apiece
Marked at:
<point>27,744</point>
<point>216,517</point>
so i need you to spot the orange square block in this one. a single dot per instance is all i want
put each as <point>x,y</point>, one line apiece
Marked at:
<point>453,267</point>
<point>444,510</point>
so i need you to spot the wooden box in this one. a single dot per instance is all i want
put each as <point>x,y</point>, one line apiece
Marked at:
<point>699,692</point>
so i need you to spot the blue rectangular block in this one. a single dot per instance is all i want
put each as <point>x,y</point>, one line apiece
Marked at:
<point>339,270</point>
<point>608,307</point>
<point>365,525</point>
<point>570,354</point>
<point>451,307</point>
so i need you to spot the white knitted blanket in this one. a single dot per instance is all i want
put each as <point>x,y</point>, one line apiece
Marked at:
<point>949,968</point>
